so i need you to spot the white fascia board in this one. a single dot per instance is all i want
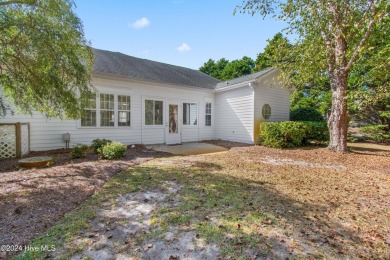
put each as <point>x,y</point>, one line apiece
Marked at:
<point>239,85</point>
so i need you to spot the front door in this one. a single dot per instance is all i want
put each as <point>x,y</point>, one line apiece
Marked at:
<point>172,126</point>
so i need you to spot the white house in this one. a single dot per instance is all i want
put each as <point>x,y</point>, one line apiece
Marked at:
<point>146,102</point>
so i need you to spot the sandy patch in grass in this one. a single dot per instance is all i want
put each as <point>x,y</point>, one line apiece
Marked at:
<point>119,225</point>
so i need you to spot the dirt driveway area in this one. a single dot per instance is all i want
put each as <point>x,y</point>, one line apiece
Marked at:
<point>251,202</point>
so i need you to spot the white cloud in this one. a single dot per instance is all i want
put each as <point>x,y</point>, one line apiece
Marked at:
<point>183,48</point>
<point>140,23</point>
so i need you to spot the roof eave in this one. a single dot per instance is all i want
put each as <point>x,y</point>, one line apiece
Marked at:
<point>234,86</point>
<point>115,77</point>
<point>243,84</point>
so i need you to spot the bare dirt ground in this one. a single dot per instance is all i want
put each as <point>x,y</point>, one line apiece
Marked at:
<point>32,200</point>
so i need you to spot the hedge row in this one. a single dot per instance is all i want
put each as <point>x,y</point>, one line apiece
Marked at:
<point>289,134</point>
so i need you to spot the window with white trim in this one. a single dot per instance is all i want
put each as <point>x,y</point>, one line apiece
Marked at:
<point>107,110</point>
<point>153,112</point>
<point>107,115</point>
<point>124,110</point>
<point>89,117</point>
<point>266,111</point>
<point>190,113</point>
<point>208,114</point>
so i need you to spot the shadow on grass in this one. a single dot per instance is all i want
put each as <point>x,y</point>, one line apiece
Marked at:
<point>249,217</point>
<point>245,218</point>
<point>362,150</point>
<point>33,200</point>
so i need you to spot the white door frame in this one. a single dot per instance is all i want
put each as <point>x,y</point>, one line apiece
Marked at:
<point>173,138</point>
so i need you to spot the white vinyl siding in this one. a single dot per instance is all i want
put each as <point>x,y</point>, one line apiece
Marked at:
<point>234,115</point>
<point>277,98</point>
<point>47,134</point>
<point>269,91</point>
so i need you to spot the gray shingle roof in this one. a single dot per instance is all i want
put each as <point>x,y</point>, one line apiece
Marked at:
<point>124,66</point>
<point>243,78</point>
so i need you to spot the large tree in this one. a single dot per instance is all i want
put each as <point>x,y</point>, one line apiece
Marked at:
<point>331,36</point>
<point>274,52</point>
<point>238,68</point>
<point>224,69</point>
<point>45,60</point>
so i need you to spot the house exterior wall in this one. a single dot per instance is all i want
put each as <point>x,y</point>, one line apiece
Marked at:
<point>48,133</point>
<point>234,115</point>
<point>268,90</point>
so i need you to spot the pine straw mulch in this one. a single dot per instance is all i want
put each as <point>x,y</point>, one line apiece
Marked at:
<point>32,200</point>
<point>339,204</point>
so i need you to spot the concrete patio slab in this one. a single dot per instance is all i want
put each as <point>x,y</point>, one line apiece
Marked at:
<point>188,148</point>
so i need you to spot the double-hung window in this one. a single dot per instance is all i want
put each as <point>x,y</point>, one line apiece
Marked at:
<point>208,114</point>
<point>89,118</point>
<point>107,112</point>
<point>153,112</point>
<point>190,113</point>
<point>124,109</point>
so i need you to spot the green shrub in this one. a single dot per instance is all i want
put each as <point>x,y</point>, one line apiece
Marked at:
<point>317,131</point>
<point>289,134</point>
<point>112,150</point>
<point>306,114</point>
<point>378,133</point>
<point>79,151</point>
<point>99,143</point>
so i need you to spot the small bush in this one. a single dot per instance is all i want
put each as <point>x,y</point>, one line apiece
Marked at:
<point>289,134</point>
<point>112,150</point>
<point>378,133</point>
<point>306,114</point>
<point>79,151</point>
<point>99,143</point>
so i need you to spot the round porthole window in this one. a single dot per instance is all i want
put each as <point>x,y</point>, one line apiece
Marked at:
<point>266,111</point>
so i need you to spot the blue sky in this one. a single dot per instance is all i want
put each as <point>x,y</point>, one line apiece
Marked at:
<point>180,32</point>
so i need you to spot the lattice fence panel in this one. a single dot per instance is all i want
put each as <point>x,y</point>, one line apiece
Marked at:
<point>25,139</point>
<point>7,141</point>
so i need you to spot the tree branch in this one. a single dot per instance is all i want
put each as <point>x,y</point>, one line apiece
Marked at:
<point>363,40</point>
<point>21,2</point>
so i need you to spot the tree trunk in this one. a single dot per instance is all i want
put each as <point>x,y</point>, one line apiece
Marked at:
<point>338,119</point>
